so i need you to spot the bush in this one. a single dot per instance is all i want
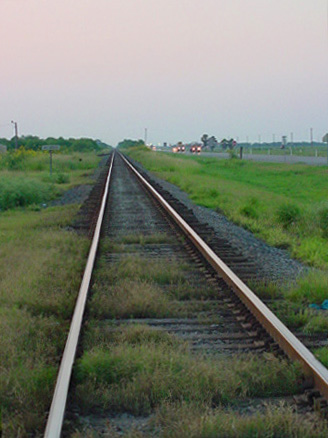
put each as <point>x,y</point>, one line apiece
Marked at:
<point>21,192</point>
<point>232,154</point>
<point>288,214</point>
<point>62,178</point>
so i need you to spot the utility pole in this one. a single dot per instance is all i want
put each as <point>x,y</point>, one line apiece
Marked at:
<point>292,139</point>
<point>146,132</point>
<point>311,136</point>
<point>16,134</point>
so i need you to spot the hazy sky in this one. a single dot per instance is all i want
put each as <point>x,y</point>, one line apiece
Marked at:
<point>109,68</point>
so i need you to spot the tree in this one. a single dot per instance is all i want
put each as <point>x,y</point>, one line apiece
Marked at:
<point>228,144</point>
<point>204,140</point>
<point>128,143</point>
<point>212,142</point>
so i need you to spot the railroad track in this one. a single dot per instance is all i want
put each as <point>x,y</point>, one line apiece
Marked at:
<point>152,232</point>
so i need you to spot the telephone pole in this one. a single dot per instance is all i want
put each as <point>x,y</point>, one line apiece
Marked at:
<point>146,132</point>
<point>16,134</point>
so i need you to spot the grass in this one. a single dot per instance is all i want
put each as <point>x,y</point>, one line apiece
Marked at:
<point>128,242</point>
<point>136,376</point>
<point>275,422</point>
<point>291,301</point>
<point>130,299</point>
<point>20,192</point>
<point>40,271</point>
<point>185,421</point>
<point>134,267</point>
<point>286,205</point>
<point>25,179</point>
<point>141,239</point>
<point>322,355</point>
<point>137,287</point>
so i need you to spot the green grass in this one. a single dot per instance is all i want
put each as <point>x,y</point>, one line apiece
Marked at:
<point>21,192</point>
<point>25,178</point>
<point>40,272</point>
<point>137,378</point>
<point>283,204</point>
<point>291,301</point>
<point>322,355</point>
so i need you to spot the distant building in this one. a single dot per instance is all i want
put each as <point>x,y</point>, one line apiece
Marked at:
<point>3,148</point>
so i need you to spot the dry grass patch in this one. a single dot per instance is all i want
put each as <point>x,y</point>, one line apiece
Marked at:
<point>129,242</point>
<point>185,291</point>
<point>130,299</point>
<point>191,422</point>
<point>162,272</point>
<point>143,239</point>
<point>106,335</point>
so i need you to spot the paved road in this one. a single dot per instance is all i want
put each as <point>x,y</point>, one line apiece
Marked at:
<point>319,161</point>
<point>314,161</point>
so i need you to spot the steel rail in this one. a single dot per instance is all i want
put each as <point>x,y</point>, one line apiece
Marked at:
<point>278,331</point>
<point>57,410</point>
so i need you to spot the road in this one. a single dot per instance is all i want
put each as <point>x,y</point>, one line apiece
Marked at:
<point>319,161</point>
<point>313,161</point>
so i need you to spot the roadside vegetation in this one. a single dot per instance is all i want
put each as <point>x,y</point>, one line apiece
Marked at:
<point>25,179</point>
<point>40,270</point>
<point>298,150</point>
<point>41,262</point>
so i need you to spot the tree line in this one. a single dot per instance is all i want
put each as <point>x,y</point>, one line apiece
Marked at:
<point>32,142</point>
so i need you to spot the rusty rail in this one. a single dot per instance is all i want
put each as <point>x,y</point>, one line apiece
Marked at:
<point>277,330</point>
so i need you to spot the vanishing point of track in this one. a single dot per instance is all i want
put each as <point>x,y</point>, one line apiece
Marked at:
<point>252,326</point>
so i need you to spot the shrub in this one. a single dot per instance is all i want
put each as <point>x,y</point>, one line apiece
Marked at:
<point>287,214</point>
<point>21,192</point>
<point>232,154</point>
<point>62,178</point>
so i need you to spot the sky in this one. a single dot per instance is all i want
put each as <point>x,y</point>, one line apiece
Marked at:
<point>108,69</point>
